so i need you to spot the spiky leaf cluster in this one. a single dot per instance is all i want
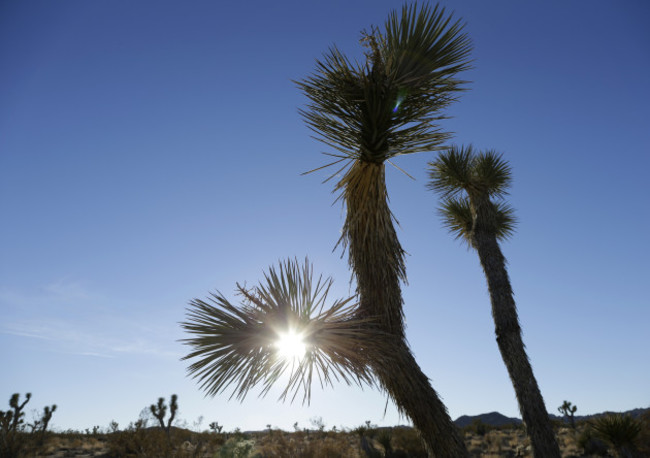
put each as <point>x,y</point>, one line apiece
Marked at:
<point>464,171</point>
<point>467,179</point>
<point>235,344</point>
<point>390,104</point>
<point>620,430</point>
<point>457,218</point>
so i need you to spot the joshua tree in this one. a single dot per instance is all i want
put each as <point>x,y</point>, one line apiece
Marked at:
<point>568,411</point>
<point>13,440</point>
<point>159,411</point>
<point>41,425</point>
<point>11,427</point>
<point>369,112</point>
<point>472,186</point>
<point>11,420</point>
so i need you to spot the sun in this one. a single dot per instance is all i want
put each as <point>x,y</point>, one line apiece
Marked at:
<point>290,345</point>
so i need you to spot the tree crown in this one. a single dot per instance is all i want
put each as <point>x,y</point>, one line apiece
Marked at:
<point>465,179</point>
<point>389,105</point>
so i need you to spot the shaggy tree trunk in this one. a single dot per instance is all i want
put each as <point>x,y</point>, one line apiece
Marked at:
<point>376,258</point>
<point>508,333</point>
<point>411,391</point>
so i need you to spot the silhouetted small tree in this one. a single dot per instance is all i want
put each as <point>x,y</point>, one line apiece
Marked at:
<point>12,419</point>
<point>14,440</point>
<point>568,411</point>
<point>39,427</point>
<point>159,411</point>
<point>11,425</point>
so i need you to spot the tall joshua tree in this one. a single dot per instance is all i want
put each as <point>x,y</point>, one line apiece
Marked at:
<point>370,113</point>
<point>472,186</point>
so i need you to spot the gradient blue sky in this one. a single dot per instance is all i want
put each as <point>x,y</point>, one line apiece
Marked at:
<point>151,152</point>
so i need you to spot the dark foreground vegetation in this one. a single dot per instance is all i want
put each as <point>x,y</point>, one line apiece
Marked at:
<point>152,435</point>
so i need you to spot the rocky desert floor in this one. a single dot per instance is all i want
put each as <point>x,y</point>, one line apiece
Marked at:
<point>395,442</point>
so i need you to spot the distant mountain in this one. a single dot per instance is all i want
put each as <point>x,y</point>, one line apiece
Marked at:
<point>497,419</point>
<point>492,419</point>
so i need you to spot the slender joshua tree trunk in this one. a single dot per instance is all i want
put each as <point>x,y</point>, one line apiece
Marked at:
<point>376,258</point>
<point>410,389</point>
<point>508,333</point>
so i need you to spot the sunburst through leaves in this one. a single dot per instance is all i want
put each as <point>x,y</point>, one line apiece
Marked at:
<point>291,345</point>
<point>282,326</point>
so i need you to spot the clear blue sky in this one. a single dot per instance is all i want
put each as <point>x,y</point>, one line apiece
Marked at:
<point>151,152</point>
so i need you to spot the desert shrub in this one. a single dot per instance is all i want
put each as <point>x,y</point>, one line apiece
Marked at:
<point>299,445</point>
<point>188,443</point>
<point>407,442</point>
<point>477,427</point>
<point>73,443</point>
<point>557,424</point>
<point>237,432</point>
<point>496,441</point>
<point>73,435</point>
<point>140,441</point>
<point>621,431</point>
<point>384,437</point>
<point>332,449</point>
<point>643,440</point>
<point>360,431</point>
<point>236,447</point>
<point>591,444</point>
<point>271,446</point>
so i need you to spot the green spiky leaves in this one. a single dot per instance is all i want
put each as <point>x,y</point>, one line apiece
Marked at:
<point>240,344</point>
<point>619,430</point>
<point>457,217</point>
<point>472,185</point>
<point>390,104</point>
<point>424,46</point>
<point>461,170</point>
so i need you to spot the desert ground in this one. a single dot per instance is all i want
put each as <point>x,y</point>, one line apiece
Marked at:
<point>482,441</point>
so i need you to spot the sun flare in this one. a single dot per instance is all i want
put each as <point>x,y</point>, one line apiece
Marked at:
<point>290,345</point>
